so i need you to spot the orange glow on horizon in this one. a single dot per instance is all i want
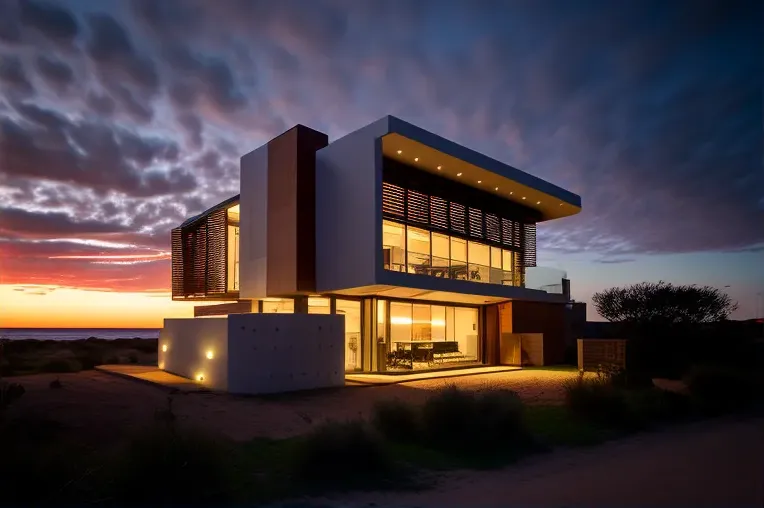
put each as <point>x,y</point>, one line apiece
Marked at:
<point>39,306</point>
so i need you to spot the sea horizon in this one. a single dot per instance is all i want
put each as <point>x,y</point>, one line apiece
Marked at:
<point>78,333</point>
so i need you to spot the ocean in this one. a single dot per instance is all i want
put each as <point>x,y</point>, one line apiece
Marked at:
<point>78,333</point>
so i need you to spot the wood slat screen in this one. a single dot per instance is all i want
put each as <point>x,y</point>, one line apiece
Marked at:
<point>529,245</point>
<point>177,262</point>
<point>216,252</point>
<point>393,200</point>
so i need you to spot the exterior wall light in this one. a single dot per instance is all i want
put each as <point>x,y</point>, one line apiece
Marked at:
<point>210,355</point>
<point>164,348</point>
<point>200,377</point>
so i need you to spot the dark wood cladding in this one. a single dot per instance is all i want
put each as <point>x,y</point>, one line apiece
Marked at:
<point>199,257</point>
<point>291,215</point>
<point>422,199</point>
<point>549,319</point>
<point>223,309</point>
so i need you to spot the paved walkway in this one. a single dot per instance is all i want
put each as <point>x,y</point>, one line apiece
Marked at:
<point>715,464</point>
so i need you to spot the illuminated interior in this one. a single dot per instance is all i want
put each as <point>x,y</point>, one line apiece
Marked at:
<point>414,250</point>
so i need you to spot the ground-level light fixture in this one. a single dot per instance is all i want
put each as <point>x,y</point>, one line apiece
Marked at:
<point>200,377</point>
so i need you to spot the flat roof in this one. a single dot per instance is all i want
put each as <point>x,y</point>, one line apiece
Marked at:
<point>424,150</point>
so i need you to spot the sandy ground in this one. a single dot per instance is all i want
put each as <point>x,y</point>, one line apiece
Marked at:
<point>101,404</point>
<point>714,464</point>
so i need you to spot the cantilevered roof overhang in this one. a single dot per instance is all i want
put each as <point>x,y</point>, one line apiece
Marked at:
<point>232,202</point>
<point>429,152</point>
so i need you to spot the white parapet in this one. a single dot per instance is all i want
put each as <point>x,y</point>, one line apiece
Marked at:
<point>256,353</point>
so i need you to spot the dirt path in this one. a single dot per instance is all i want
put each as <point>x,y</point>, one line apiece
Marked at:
<point>714,464</point>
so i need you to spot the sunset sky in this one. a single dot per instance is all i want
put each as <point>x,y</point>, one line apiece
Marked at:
<point>118,119</point>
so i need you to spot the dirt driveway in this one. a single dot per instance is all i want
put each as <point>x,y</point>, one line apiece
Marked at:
<point>708,464</point>
<point>101,404</point>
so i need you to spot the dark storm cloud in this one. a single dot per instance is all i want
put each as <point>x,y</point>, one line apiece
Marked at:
<point>13,76</point>
<point>87,153</point>
<point>50,19</point>
<point>25,223</point>
<point>57,73</point>
<point>111,47</point>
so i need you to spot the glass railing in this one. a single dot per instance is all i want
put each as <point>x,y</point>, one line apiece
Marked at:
<point>544,278</point>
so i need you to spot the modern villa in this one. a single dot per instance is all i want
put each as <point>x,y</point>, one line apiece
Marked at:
<point>388,250</point>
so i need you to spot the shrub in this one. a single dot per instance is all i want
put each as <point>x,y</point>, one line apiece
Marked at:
<point>60,366</point>
<point>396,420</point>
<point>338,455</point>
<point>133,358</point>
<point>447,418</point>
<point>90,360</point>
<point>659,405</point>
<point>112,360</point>
<point>600,401</point>
<point>10,393</point>
<point>165,465</point>
<point>722,390</point>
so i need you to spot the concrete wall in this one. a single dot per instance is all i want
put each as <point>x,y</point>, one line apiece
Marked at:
<point>188,341</point>
<point>272,353</point>
<point>257,353</point>
<point>253,232</point>
<point>349,209</point>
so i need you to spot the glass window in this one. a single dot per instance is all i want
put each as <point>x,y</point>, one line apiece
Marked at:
<point>400,322</point>
<point>318,305</point>
<point>440,254</point>
<point>394,245</point>
<point>421,327</point>
<point>351,309</point>
<point>479,256</point>
<point>466,332</point>
<point>438,321</point>
<point>233,258</point>
<point>450,324</point>
<point>507,277</point>
<point>496,272</point>
<point>458,258</point>
<point>418,245</point>
<point>278,305</point>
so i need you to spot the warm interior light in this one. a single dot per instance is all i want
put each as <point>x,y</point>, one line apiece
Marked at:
<point>164,348</point>
<point>210,355</point>
<point>458,174</point>
<point>440,167</point>
<point>200,377</point>
<point>400,152</point>
<point>400,320</point>
<point>161,365</point>
<point>416,159</point>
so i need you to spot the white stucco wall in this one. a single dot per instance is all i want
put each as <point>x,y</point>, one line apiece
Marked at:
<point>253,232</point>
<point>188,341</point>
<point>257,353</point>
<point>348,209</point>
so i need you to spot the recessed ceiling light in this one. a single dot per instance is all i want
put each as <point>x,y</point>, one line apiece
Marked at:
<point>538,202</point>
<point>440,167</point>
<point>496,188</point>
<point>458,174</point>
<point>400,152</point>
<point>416,159</point>
<point>560,204</point>
<point>523,197</point>
<point>511,193</point>
<point>480,181</point>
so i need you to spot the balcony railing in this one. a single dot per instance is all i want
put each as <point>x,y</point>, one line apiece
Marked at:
<point>545,279</point>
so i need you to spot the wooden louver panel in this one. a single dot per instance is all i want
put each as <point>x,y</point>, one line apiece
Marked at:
<point>418,207</point>
<point>529,244</point>
<point>457,218</point>
<point>506,232</point>
<point>393,200</point>
<point>216,252</point>
<point>196,243</point>
<point>438,212</point>
<point>492,228</point>
<point>177,262</point>
<point>516,240</point>
<point>476,222</point>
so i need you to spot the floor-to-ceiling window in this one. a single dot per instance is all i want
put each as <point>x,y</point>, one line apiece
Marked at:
<point>233,258</point>
<point>424,336</point>
<point>278,305</point>
<point>419,251</point>
<point>351,309</point>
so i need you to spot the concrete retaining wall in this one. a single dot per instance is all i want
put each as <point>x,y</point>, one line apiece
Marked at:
<point>257,353</point>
